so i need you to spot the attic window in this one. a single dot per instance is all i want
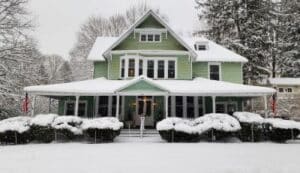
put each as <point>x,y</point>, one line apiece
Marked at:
<point>200,46</point>
<point>149,37</point>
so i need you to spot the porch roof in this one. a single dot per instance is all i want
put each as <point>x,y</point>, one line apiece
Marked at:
<point>195,87</point>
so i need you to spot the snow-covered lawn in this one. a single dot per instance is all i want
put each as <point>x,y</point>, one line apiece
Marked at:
<point>151,157</point>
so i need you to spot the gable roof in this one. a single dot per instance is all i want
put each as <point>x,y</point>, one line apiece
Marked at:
<point>214,51</point>
<point>138,22</point>
<point>100,45</point>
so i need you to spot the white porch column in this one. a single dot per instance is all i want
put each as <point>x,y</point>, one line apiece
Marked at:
<point>49,108</point>
<point>214,103</point>
<point>173,106</point>
<point>117,106</point>
<point>96,106</point>
<point>196,106</point>
<point>109,106</point>
<point>266,106</point>
<point>33,106</point>
<point>76,105</point>
<point>166,106</point>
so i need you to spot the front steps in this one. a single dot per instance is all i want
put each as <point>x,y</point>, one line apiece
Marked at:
<point>136,133</point>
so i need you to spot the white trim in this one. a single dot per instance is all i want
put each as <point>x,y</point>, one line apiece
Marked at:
<point>150,52</point>
<point>109,112</point>
<point>220,69</point>
<point>184,107</point>
<point>173,106</point>
<point>204,106</point>
<point>96,106</point>
<point>73,101</point>
<point>196,106</point>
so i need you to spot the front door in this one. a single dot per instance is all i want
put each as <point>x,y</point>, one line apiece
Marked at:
<point>145,108</point>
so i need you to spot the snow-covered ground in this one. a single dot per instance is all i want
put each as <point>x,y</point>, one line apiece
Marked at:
<point>151,157</point>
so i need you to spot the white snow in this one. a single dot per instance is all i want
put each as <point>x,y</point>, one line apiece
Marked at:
<point>100,46</point>
<point>63,122</point>
<point>199,86</point>
<point>202,124</point>
<point>214,51</point>
<point>102,123</point>
<point>284,81</point>
<point>248,117</point>
<point>219,121</point>
<point>43,119</point>
<point>151,158</point>
<point>19,124</point>
<point>284,124</point>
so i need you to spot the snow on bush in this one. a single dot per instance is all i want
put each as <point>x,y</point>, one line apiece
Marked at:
<point>218,121</point>
<point>283,124</point>
<point>18,124</point>
<point>102,123</point>
<point>248,117</point>
<point>70,123</point>
<point>43,119</point>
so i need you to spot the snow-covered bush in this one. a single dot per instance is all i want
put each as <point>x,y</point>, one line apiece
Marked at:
<point>183,130</point>
<point>280,130</point>
<point>102,129</point>
<point>15,130</point>
<point>252,126</point>
<point>41,127</point>
<point>220,125</point>
<point>180,130</point>
<point>67,126</point>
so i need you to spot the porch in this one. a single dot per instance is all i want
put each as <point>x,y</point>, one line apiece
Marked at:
<point>128,100</point>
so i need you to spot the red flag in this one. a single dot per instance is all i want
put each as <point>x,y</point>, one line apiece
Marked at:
<point>273,103</point>
<point>25,104</point>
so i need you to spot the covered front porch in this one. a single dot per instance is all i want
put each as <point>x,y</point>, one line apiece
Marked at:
<point>128,100</point>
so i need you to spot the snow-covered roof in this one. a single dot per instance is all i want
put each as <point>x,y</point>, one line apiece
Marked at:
<point>214,51</point>
<point>284,81</point>
<point>197,86</point>
<point>100,45</point>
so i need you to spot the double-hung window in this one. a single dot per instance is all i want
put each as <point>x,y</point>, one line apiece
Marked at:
<point>214,71</point>
<point>149,37</point>
<point>161,69</point>
<point>150,68</point>
<point>171,69</point>
<point>131,68</point>
<point>122,68</point>
<point>140,67</point>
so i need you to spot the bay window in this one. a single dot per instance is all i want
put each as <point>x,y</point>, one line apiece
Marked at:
<point>140,67</point>
<point>131,68</point>
<point>171,69</point>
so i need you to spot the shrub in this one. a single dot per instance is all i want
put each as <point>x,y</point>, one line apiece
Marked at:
<point>67,126</point>
<point>279,130</point>
<point>252,128</point>
<point>15,130</point>
<point>41,127</point>
<point>102,129</point>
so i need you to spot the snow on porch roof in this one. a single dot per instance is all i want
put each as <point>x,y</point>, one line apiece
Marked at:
<point>198,86</point>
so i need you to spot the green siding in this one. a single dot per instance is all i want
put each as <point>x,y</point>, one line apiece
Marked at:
<point>100,69</point>
<point>168,42</point>
<point>232,72</point>
<point>114,67</point>
<point>200,69</point>
<point>184,70</point>
<point>150,22</point>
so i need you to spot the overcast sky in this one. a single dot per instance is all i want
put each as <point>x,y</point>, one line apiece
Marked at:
<point>59,20</point>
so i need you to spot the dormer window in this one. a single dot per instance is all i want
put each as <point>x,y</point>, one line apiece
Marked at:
<point>149,37</point>
<point>200,46</point>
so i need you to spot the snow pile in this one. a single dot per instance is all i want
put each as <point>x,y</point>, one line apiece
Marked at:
<point>43,119</point>
<point>18,124</point>
<point>283,124</point>
<point>248,117</point>
<point>70,123</point>
<point>218,121</point>
<point>168,123</point>
<point>102,123</point>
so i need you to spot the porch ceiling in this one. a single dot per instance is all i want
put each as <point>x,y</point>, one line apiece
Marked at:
<point>145,86</point>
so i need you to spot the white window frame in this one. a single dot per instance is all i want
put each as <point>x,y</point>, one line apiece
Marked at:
<point>73,101</point>
<point>145,59</point>
<point>220,69</point>
<point>197,44</point>
<point>147,35</point>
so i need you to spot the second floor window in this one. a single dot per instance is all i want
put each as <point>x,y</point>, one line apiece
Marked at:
<point>171,69</point>
<point>131,68</point>
<point>214,72</point>
<point>140,67</point>
<point>123,68</point>
<point>161,69</point>
<point>150,37</point>
<point>150,68</point>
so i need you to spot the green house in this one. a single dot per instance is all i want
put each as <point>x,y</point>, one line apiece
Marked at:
<point>152,72</point>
